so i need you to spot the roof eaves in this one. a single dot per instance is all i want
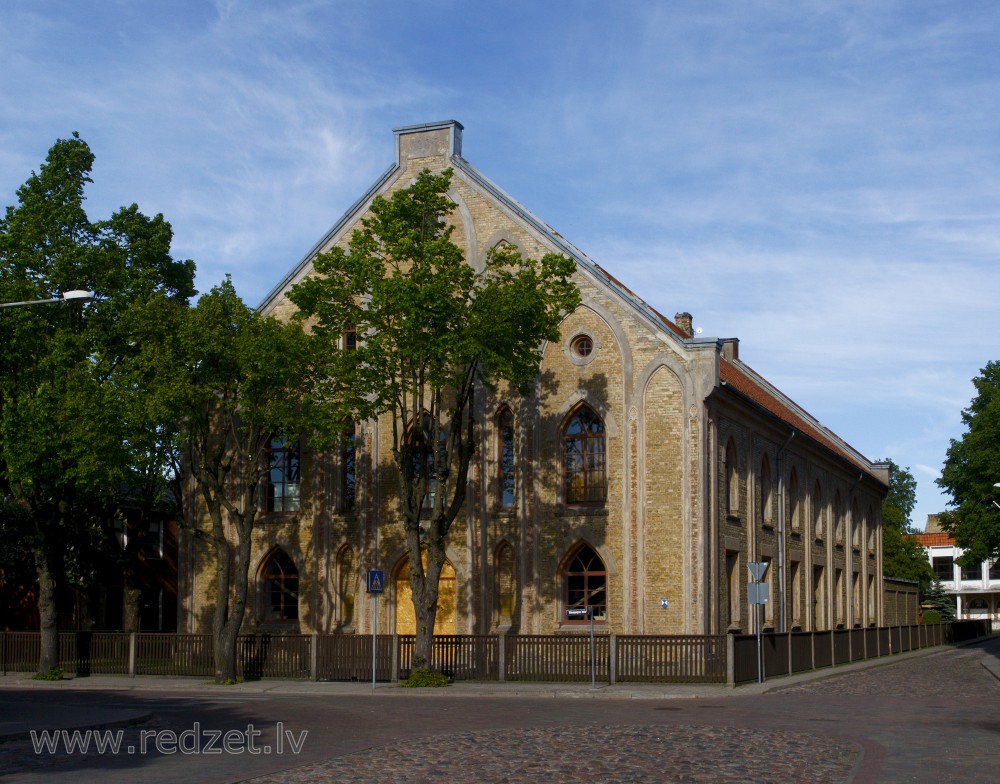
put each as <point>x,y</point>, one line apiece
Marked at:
<point>779,405</point>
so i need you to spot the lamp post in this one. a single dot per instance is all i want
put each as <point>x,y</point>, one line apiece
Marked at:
<point>76,295</point>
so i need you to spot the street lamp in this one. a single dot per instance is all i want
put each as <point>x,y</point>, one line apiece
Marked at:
<point>76,295</point>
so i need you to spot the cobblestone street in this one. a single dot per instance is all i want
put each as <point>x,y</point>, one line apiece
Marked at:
<point>928,717</point>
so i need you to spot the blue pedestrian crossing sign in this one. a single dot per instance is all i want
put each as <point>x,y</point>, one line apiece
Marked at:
<point>376,581</point>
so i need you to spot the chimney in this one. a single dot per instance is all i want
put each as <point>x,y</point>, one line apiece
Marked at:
<point>731,348</point>
<point>683,321</point>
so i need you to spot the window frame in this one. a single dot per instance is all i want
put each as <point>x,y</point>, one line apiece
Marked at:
<point>590,458</point>
<point>284,471</point>
<point>279,574</point>
<point>585,581</point>
<point>506,469</point>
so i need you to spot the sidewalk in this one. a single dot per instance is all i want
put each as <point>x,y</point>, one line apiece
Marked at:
<point>17,719</point>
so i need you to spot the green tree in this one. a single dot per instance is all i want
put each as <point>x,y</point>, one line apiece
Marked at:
<point>237,382</point>
<point>902,555</point>
<point>431,334</point>
<point>971,469</point>
<point>938,599</point>
<point>64,442</point>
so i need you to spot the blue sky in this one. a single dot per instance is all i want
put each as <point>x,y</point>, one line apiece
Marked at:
<point>819,179</point>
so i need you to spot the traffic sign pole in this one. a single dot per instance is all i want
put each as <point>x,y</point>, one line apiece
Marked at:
<point>375,585</point>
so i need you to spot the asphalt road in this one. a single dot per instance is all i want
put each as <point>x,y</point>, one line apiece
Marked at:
<point>927,718</point>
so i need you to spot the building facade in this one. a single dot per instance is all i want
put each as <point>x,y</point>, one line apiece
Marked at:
<point>647,470</point>
<point>976,588</point>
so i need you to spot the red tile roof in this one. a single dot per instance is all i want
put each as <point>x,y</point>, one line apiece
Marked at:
<point>932,540</point>
<point>748,382</point>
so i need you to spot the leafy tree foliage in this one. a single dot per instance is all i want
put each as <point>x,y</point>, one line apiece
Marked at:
<point>431,333</point>
<point>902,556</point>
<point>235,381</point>
<point>971,469</point>
<point>70,414</point>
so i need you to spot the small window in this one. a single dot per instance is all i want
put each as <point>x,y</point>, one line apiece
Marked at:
<point>944,568</point>
<point>586,587</point>
<point>350,337</point>
<point>583,345</point>
<point>505,458</point>
<point>152,542</point>
<point>283,477</point>
<point>280,588</point>
<point>973,572</point>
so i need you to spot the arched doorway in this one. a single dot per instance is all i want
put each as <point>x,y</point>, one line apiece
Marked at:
<point>446,621</point>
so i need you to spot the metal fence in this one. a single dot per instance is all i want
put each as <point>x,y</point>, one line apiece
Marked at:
<point>614,658</point>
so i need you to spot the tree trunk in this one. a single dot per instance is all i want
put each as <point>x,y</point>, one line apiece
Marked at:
<point>47,613</point>
<point>227,623</point>
<point>131,595</point>
<point>424,586</point>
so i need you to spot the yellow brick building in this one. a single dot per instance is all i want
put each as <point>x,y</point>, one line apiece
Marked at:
<point>648,470</point>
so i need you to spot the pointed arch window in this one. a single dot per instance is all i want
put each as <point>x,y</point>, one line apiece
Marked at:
<point>348,467</point>
<point>838,518</point>
<point>817,510</point>
<point>585,586</point>
<point>793,501</point>
<point>347,582</point>
<point>280,588</point>
<point>584,459</point>
<point>505,459</point>
<point>283,476</point>
<point>765,491</point>
<point>732,480</point>
<point>425,457</point>
<point>506,584</point>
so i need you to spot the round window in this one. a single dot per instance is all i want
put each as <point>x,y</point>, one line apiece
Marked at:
<point>583,345</point>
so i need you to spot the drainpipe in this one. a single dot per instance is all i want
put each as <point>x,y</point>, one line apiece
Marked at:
<point>781,534</point>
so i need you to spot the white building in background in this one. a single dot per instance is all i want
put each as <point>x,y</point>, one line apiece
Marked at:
<point>976,588</point>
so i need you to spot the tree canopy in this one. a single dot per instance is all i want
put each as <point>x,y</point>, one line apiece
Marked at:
<point>902,556</point>
<point>415,332</point>
<point>972,468</point>
<point>236,382</point>
<point>71,411</point>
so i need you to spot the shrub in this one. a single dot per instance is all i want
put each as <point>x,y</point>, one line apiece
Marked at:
<point>54,674</point>
<point>931,616</point>
<point>424,678</point>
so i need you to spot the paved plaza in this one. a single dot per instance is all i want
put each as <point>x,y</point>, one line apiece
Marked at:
<point>924,716</point>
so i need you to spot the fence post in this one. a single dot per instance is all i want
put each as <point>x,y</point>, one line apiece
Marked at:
<point>612,658</point>
<point>502,656</point>
<point>730,659</point>
<point>314,657</point>
<point>133,645</point>
<point>394,674</point>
